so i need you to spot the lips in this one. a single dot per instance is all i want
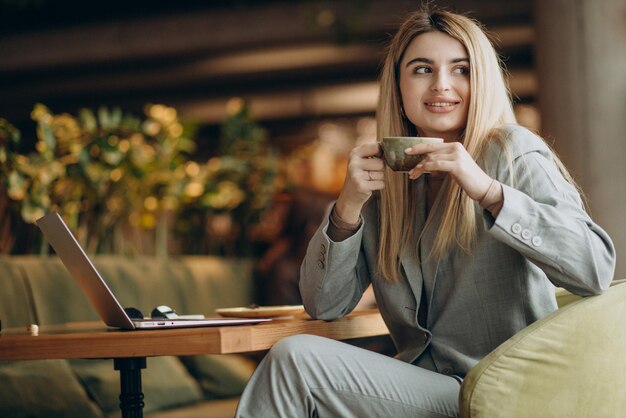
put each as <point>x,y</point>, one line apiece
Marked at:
<point>441,105</point>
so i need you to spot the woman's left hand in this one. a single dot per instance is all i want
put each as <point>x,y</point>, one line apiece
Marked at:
<point>451,158</point>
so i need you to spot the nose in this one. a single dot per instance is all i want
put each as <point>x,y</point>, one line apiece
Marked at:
<point>441,82</point>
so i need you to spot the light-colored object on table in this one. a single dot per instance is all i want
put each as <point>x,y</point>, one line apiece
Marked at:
<point>33,329</point>
<point>393,151</point>
<point>568,364</point>
<point>261,311</point>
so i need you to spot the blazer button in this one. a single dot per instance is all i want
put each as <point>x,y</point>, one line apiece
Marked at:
<point>516,228</point>
<point>537,241</point>
<point>425,338</point>
<point>320,264</point>
<point>322,248</point>
<point>526,234</point>
<point>447,371</point>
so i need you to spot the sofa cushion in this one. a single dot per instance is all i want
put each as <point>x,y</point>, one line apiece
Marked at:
<point>165,383</point>
<point>220,376</point>
<point>142,282</point>
<point>19,312</point>
<point>57,296</point>
<point>216,282</point>
<point>43,388</point>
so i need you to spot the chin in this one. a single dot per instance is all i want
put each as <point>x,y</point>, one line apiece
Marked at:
<point>443,131</point>
<point>442,126</point>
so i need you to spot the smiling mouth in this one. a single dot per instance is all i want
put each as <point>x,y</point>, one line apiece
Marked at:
<point>441,107</point>
<point>441,104</point>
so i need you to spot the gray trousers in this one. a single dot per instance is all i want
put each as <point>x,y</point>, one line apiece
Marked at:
<point>309,376</point>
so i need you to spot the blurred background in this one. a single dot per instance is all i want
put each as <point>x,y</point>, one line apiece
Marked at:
<point>199,127</point>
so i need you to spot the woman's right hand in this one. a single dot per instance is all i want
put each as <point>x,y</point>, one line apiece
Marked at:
<point>365,174</point>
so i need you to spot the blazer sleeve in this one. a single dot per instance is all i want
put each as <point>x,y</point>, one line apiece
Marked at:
<point>544,219</point>
<point>333,275</point>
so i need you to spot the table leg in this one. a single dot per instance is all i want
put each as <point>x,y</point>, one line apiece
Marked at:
<point>131,396</point>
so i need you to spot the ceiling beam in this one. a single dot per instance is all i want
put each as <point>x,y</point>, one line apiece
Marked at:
<point>228,67</point>
<point>216,31</point>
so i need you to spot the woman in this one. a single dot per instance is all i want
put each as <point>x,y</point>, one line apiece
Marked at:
<point>462,253</point>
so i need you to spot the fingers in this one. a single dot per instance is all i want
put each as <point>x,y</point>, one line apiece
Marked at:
<point>370,149</point>
<point>426,148</point>
<point>368,178</point>
<point>372,164</point>
<point>365,158</point>
<point>374,180</point>
<point>365,174</point>
<point>462,168</point>
<point>375,175</point>
<point>432,167</point>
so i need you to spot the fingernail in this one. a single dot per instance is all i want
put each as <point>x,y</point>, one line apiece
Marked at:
<point>407,149</point>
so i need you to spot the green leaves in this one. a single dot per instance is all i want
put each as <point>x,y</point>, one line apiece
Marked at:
<point>109,172</point>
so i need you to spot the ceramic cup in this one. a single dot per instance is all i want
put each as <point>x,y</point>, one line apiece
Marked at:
<point>393,151</point>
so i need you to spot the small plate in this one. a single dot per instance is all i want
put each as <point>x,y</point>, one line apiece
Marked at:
<point>261,311</point>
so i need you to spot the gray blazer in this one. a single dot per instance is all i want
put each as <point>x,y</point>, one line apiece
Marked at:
<point>541,238</point>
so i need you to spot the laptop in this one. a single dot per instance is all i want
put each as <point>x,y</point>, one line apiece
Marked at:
<point>95,288</point>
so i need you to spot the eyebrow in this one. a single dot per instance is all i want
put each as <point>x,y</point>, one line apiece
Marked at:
<point>429,61</point>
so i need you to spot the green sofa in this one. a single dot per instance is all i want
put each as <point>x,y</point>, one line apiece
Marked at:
<point>39,290</point>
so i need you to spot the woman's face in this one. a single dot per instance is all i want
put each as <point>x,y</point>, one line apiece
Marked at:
<point>435,85</point>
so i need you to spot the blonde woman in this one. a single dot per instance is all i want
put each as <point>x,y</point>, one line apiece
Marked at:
<point>462,252</point>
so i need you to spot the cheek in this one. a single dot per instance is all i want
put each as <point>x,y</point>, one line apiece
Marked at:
<point>410,95</point>
<point>464,91</point>
<point>466,100</point>
<point>404,92</point>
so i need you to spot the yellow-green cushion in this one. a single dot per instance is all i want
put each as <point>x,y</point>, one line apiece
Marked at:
<point>569,364</point>
<point>44,388</point>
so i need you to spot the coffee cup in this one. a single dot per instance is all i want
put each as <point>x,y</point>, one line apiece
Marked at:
<point>393,151</point>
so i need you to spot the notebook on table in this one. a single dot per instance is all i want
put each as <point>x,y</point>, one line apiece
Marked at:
<point>98,292</point>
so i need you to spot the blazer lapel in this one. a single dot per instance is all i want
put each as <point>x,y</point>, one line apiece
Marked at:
<point>411,265</point>
<point>429,265</point>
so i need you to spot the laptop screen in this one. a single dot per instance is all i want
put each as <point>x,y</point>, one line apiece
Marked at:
<point>98,292</point>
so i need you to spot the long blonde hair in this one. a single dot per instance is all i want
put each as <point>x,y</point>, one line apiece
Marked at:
<point>489,108</point>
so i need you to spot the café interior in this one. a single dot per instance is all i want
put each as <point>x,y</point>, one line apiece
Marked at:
<point>239,116</point>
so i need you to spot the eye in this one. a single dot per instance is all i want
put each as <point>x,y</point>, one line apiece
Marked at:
<point>422,70</point>
<point>461,70</point>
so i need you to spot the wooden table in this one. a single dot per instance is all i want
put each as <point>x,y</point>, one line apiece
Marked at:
<point>129,349</point>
